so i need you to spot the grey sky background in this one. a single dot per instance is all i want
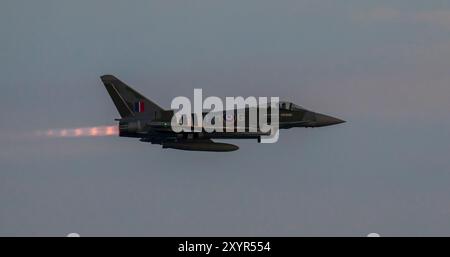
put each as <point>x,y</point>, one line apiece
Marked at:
<point>381,65</point>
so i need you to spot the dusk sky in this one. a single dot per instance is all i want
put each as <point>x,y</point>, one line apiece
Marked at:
<point>383,66</point>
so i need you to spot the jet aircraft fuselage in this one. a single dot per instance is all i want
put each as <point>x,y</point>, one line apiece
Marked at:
<point>143,119</point>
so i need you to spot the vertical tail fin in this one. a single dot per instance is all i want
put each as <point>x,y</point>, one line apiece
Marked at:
<point>128,101</point>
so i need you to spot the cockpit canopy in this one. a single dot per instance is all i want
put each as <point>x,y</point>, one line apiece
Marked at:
<point>290,106</point>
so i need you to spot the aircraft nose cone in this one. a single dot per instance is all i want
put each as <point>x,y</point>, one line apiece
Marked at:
<point>325,120</point>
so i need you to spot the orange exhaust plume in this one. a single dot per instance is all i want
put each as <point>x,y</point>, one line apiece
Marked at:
<point>97,131</point>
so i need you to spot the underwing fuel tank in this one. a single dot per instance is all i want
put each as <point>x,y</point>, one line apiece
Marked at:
<point>200,146</point>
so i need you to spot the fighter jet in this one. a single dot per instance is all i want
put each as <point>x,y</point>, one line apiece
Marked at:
<point>143,119</point>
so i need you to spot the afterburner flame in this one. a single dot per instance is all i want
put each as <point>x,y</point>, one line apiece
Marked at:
<point>98,131</point>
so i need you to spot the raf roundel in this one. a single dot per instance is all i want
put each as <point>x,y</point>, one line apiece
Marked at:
<point>229,117</point>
